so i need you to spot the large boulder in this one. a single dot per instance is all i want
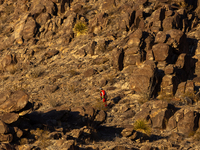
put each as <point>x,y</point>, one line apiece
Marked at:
<point>15,102</point>
<point>29,29</point>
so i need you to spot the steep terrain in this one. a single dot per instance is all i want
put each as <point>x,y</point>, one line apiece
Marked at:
<point>56,54</point>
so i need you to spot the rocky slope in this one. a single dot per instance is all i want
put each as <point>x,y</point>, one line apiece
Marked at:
<point>145,54</point>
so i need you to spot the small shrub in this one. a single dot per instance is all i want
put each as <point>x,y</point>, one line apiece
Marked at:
<point>80,28</point>
<point>142,126</point>
<point>99,105</point>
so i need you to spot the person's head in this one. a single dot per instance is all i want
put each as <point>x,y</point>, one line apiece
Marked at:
<point>100,89</point>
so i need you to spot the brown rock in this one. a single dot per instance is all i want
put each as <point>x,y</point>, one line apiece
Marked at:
<point>8,60</point>
<point>100,117</point>
<point>160,104</point>
<point>161,52</point>
<point>161,37</point>
<point>30,29</point>
<point>128,131</point>
<point>136,34</point>
<point>133,42</point>
<point>180,38</point>
<point>51,53</point>
<point>133,59</point>
<point>18,132</point>
<point>189,123</point>
<point>3,128</point>
<point>43,18</point>
<point>117,59</point>
<point>169,84</point>
<point>181,89</point>
<point>169,69</point>
<point>16,102</point>
<point>4,96</point>
<point>10,117</point>
<point>171,123</point>
<point>68,145</point>
<point>90,72</point>
<point>143,114</point>
<point>160,119</point>
<point>6,138</point>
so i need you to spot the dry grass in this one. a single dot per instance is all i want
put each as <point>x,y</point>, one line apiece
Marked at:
<point>99,105</point>
<point>165,97</point>
<point>142,126</point>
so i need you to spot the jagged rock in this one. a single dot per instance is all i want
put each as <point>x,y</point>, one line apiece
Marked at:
<point>3,128</point>
<point>117,58</point>
<point>143,114</point>
<point>171,123</point>
<point>10,117</point>
<point>6,138</point>
<point>16,102</point>
<point>188,123</point>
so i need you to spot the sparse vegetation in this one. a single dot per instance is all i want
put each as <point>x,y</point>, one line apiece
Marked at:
<point>99,105</point>
<point>142,126</point>
<point>80,28</point>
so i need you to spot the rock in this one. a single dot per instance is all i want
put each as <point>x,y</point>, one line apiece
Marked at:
<point>68,145</point>
<point>18,132</point>
<point>171,123</point>
<point>51,53</point>
<point>180,40</point>
<point>30,29</point>
<point>10,117</point>
<point>128,131</point>
<point>161,37</point>
<point>171,22</point>
<point>3,128</point>
<point>162,52</point>
<point>4,96</point>
<point>100,118</point>
<point>159,120</point>
<point>6,138</point>
<point>169,69</point>
<point>188,123</point>
<point>89,72</point>
<point>16,102</point>
<point>8,60</point>
<point>117,59</point>
<point>143,114</point>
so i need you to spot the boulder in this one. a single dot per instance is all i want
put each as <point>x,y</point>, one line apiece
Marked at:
<point>117,59</point>
<point>180,40</point>
<point>89,72</point>
<point>3,128</point>
<point>16,102</point>
<point>188,123</point>
<point>162,52</point>
<point>7,138</point>
<point>9,117</point>
<point>29,29</point>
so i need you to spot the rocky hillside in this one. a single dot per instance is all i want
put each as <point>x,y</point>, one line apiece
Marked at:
<point>56,54</point>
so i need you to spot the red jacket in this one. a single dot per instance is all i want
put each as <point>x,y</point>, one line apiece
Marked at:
<point>103,94</point>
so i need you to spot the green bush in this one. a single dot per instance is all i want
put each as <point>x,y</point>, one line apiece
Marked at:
<point>80,28</point>
<point>142,126</point>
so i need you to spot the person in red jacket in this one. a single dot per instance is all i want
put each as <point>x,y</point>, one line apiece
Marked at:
<point>103,96</point>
